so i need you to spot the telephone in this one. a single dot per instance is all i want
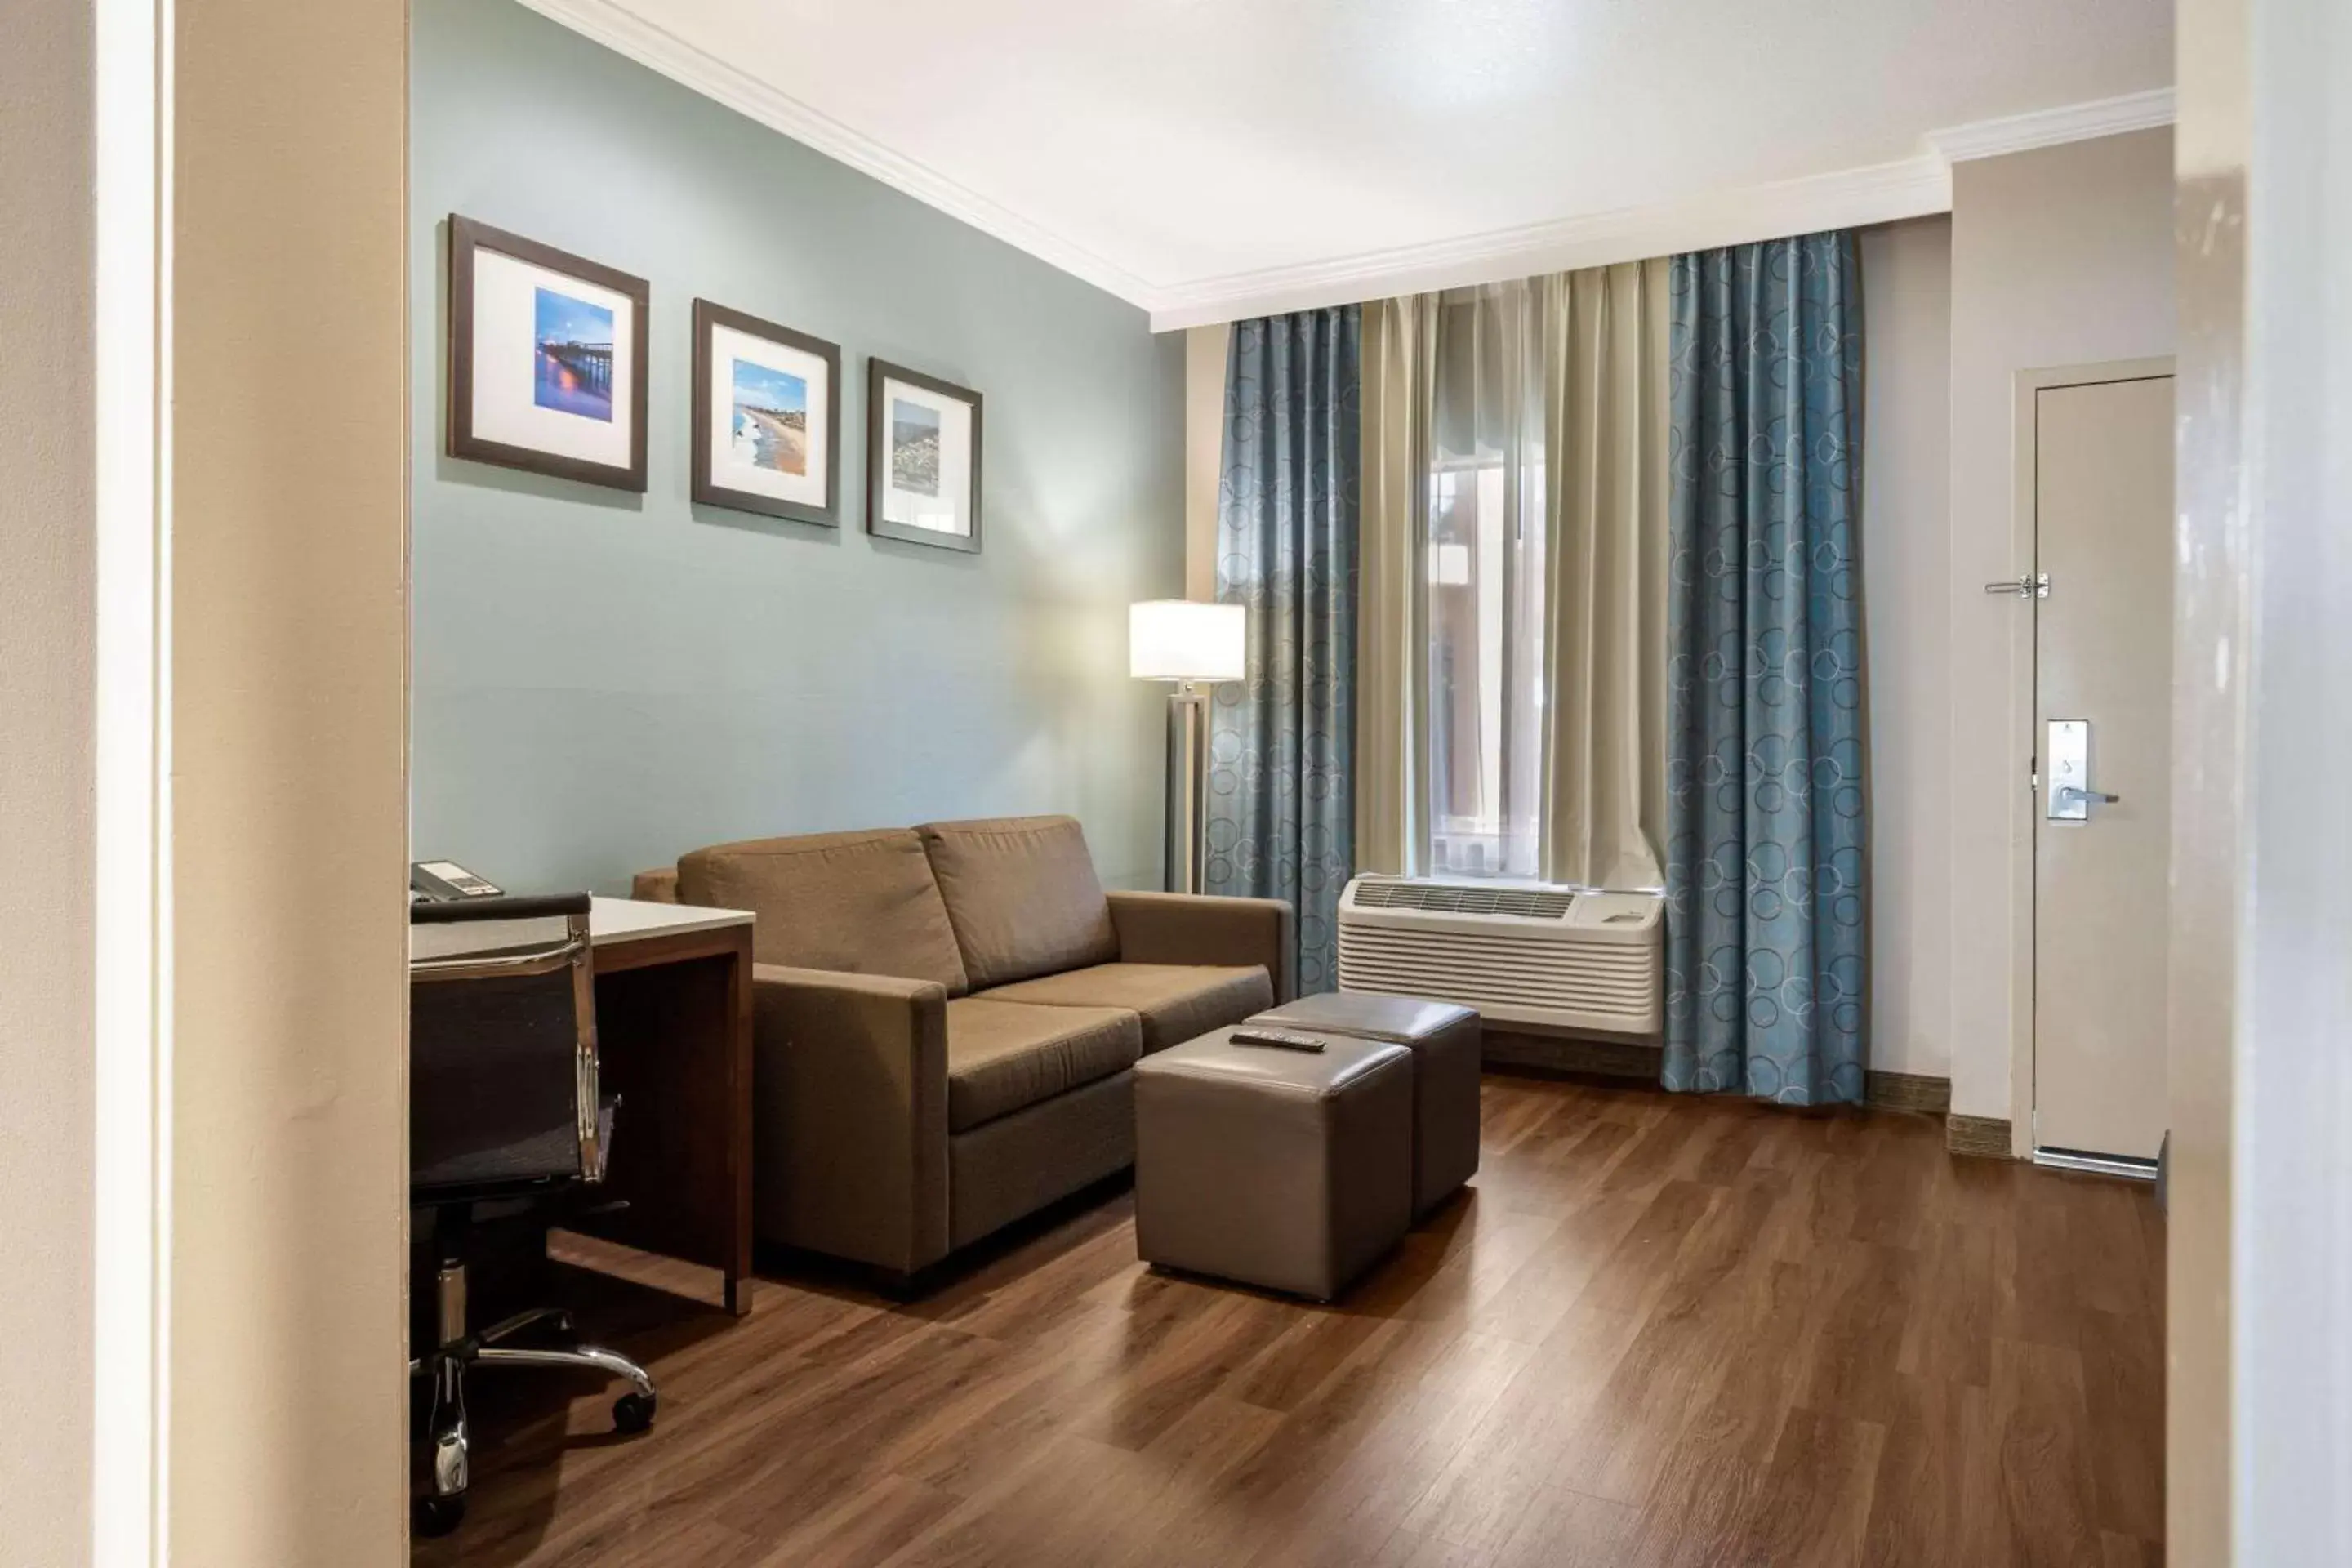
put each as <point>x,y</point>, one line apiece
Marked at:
<point>446,882</point>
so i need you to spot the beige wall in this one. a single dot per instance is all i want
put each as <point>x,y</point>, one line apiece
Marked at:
<point>1204,437</point>
<point>1906,285</point>
<point>46,642</point>
<point>2060,256</point>
<point>290,669</point>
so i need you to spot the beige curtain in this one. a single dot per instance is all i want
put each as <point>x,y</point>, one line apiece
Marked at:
<point>1605,351</point>
<point>1391,751</point>
<point>1603,336</point>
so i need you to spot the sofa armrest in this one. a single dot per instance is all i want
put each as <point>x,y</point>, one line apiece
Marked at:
<point>655,886</point>
<point>1198,928</point>
<point>850,1114</point>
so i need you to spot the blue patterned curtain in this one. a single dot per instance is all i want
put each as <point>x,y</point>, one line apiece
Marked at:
<point>1765,872</point>
<point>1282,739</point>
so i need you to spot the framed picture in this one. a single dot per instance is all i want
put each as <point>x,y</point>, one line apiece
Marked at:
<point>767,416</point>
<point>547,359</point>
<point>922,458</point>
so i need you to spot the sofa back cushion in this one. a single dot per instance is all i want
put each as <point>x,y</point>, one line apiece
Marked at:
<point>1023,896</point>
<point>864,902</point>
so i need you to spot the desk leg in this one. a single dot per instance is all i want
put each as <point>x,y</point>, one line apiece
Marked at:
<point>738,1127</point>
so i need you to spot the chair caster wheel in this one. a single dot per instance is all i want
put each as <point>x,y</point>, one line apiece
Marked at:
<point>633,1412</point>
<point>439,1515</point>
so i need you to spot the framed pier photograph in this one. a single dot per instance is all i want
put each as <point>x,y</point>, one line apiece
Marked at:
<point>547,359</point>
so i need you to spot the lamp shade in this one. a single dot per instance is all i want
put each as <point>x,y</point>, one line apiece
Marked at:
<point>1179,639</point>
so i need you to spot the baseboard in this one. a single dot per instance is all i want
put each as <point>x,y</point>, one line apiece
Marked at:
<point>1570,1054</point>
<point>1908,1091</point>
<point>1987,1136</point>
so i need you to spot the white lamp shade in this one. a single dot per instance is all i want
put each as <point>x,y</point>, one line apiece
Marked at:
<point>1178,639</point>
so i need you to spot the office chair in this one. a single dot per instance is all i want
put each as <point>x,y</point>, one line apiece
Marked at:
<point>503,1108</point>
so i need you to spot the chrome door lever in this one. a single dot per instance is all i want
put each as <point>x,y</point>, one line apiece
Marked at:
<point>2026,585</point>
<point>2066,763</point>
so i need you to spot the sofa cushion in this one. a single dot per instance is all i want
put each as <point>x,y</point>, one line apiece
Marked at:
<point>1003,1057</point>
<point>863,902</point>
<point>1023,895</point>
<point>1176,1001</point>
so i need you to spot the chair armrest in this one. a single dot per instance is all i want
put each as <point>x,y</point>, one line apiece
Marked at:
<point>655,886</point>
<point>850,1114</point>
<point>1198,928</point>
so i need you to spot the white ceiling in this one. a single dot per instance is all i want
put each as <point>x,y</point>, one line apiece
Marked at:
<point>1201,156</point>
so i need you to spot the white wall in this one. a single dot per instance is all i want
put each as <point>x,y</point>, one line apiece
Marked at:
<point>46,582</point>
<point>2060,256</point>
<point>1906,289</point>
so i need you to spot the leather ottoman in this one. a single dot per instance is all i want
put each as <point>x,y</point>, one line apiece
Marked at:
<point>1445,1041</point>
<point>1288,1170</point>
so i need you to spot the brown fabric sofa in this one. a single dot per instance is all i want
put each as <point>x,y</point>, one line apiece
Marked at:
<point>945,1018</point>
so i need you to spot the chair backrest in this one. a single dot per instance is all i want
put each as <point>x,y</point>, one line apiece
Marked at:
<point>502,1080</point>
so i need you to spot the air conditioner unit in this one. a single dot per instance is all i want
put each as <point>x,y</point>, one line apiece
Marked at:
<point>1562,957</point>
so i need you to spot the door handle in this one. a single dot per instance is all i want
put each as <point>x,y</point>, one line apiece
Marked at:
<point>2066,767</point>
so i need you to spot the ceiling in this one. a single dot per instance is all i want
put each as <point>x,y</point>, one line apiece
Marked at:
<point>1204,157</point>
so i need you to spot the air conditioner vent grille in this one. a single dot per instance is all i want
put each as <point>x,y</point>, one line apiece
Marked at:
<point>1450,899</point>
<point>1553,957</point>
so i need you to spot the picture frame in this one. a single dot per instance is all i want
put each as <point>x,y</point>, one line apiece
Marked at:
<point>767,418</point>
<point>547,359</point>
<point>922,459</point>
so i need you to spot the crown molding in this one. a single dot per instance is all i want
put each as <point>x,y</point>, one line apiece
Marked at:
<point>625,33</point>
<point>1879,192</point>
<point>1882,192</point>
<point>2054,127</point>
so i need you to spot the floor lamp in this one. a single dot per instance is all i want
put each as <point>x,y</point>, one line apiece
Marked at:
<point>1192,645</point>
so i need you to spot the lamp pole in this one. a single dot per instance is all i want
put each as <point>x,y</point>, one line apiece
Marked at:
<point>1188,787</point>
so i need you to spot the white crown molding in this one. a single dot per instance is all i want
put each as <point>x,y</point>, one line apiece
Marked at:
<point>625,33</point>
<point>2053,127</point>
<point>1883,192</point>
<point>1880,193</point>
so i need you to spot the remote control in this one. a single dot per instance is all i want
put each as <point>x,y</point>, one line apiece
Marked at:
<point>1281,1039</point>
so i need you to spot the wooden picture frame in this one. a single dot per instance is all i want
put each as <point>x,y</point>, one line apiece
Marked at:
<point>538,379</point>
<point>763,457</point>
<point>895,479</point>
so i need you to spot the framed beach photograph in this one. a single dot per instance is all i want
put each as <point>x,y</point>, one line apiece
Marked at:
<point>922,458</point>
<point>547,359</point>
<point>767,416</point>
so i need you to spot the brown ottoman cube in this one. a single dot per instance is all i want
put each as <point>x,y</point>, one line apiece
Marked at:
<point>1288,1170</point>
<point>1445,1041</point>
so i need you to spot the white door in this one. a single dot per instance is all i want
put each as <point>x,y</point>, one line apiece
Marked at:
<point>2102,701</point>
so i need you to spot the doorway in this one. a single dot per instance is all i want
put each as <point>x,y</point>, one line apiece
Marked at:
<point>2095,466</point>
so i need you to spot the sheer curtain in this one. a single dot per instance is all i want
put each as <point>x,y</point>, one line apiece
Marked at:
<point>1512,636</point>
<point>1484,598</point>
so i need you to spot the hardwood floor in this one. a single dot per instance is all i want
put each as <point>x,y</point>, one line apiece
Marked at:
<point>1660,1332</point>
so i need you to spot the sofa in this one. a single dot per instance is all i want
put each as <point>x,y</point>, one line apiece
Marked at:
<point>945,1019</point>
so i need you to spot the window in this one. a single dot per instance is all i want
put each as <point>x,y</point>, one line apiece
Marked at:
<point>1485,592</point>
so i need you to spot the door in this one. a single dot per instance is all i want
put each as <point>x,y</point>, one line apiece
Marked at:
<point>2103,711</point>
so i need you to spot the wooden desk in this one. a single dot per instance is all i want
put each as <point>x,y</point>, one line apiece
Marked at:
<point>674,1035</point>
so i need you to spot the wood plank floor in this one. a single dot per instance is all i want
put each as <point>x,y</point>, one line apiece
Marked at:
<point>1659,1331</point>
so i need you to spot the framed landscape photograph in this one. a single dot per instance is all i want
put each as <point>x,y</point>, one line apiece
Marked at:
<point>922,458</point>
<point>547,359</point>
<point>767,416</point>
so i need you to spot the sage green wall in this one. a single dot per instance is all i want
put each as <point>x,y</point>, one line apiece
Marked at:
<point>603,680</point>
